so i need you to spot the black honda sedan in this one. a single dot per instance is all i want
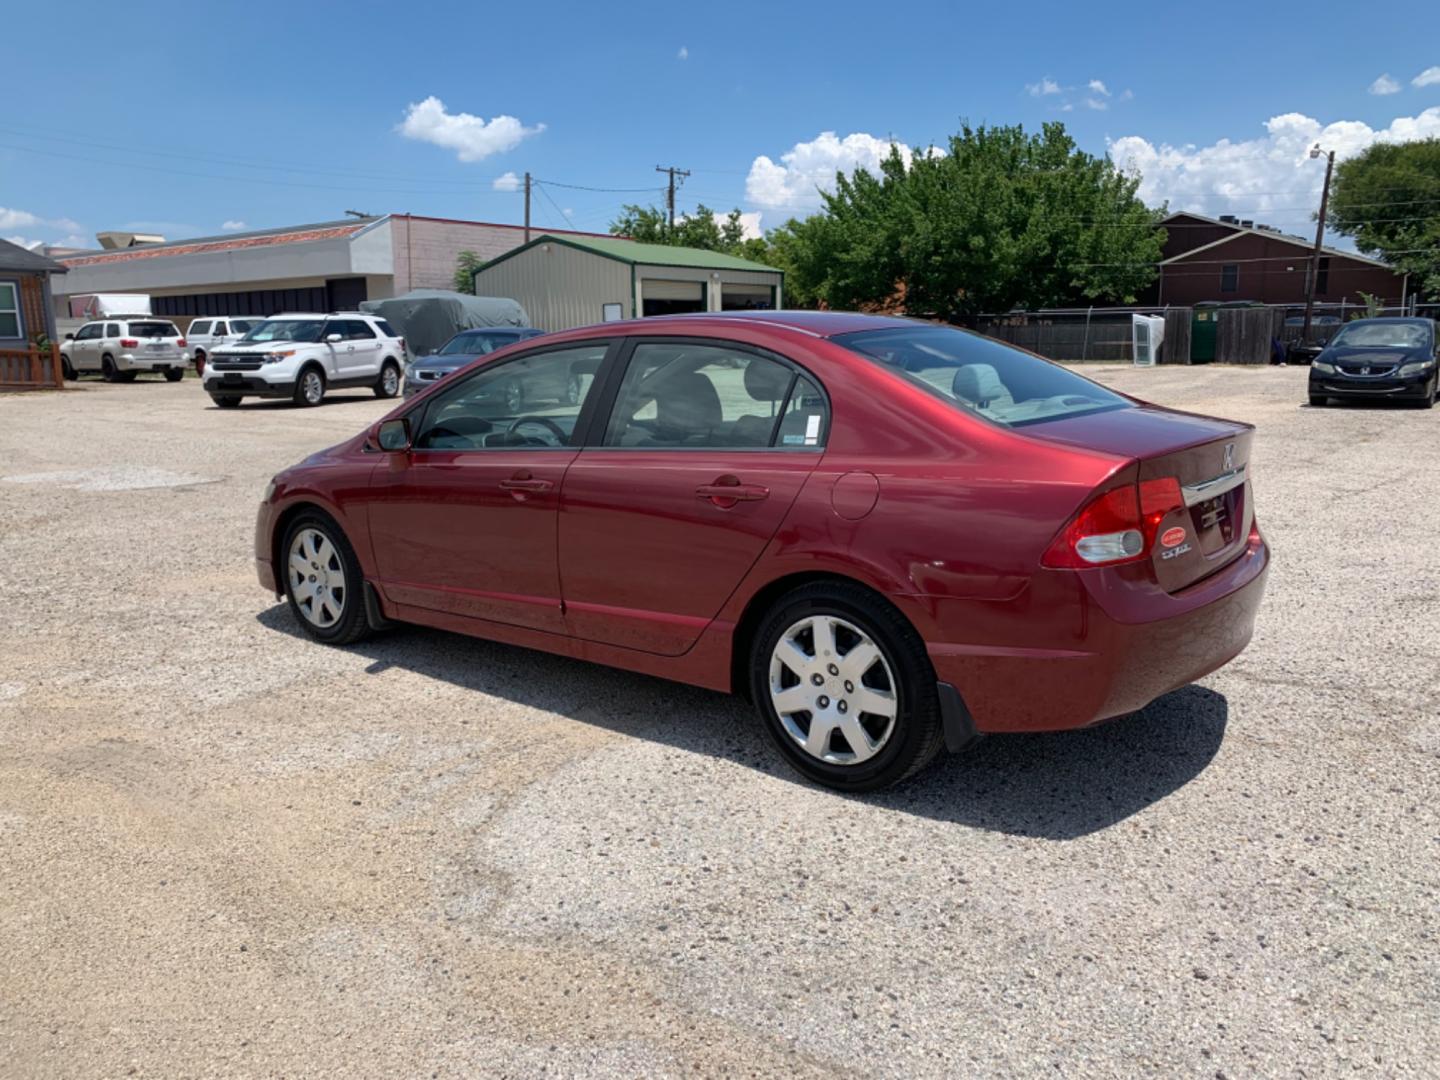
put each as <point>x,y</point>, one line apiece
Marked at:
<point>1378,358</point>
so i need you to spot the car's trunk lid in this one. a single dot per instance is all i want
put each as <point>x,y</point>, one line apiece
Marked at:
<point>1210,458</point>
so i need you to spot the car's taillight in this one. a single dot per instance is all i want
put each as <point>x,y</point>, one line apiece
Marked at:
<point>1118,526</point>
<point>129,343</point>
<point>180,342</point>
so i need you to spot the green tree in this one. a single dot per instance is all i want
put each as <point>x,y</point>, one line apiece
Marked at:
<point>466,263</point>
<point>1388,200</point>
<point>998,219</point>
<point>701,229</point>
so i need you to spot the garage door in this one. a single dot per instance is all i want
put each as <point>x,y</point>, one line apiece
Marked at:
<point>662,297</point>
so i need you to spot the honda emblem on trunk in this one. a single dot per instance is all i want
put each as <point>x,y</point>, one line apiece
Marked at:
<point>1229,455</point>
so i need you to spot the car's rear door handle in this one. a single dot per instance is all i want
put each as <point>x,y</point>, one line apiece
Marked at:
<point>735,492</point>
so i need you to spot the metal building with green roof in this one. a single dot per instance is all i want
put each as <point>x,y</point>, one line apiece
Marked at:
<point>569,281</point>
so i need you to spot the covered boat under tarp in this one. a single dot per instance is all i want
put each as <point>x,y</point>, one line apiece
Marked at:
<point>427,318</point>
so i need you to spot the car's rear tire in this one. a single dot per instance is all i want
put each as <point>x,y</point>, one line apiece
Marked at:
<point>67,370</point>
<point>129,376</point>
<point>1318,401</point>
<point>837,654</point>
<point>310,388</point>
<point>174,375</point>
<point>108,371</point>
<point>226,401</point>
<point>388,385</point>
<point>322,579</point>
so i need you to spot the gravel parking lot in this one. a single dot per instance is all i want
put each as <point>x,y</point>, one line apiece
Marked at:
<point>226,851</point>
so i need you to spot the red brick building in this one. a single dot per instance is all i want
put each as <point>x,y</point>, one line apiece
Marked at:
<point>1228,259</point>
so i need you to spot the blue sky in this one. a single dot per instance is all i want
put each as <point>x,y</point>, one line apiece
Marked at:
<point>194,118</point>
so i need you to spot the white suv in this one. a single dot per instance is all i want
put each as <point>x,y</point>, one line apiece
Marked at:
<point>121,347</point>
<point>304,356</point>
<point>208,333</point>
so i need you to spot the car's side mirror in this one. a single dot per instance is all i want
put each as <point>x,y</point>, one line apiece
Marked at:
<point>333,338</point>
<point>394,435</point>
<point>69,337</point>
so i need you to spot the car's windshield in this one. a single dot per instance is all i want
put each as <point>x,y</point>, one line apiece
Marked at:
<point>286,330</point>
<point>1397,335</point>
<point>981,375</point>
<point>475,344</point>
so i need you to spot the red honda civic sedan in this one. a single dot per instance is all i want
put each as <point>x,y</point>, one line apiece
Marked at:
<point>893,536</point>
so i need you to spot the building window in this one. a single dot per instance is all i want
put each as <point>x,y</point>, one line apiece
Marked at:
<point>1322,280</point>
<point>1230,278</point>
<point>10,326</point>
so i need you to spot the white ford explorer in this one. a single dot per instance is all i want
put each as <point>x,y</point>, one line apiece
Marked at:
<point>303,357</point>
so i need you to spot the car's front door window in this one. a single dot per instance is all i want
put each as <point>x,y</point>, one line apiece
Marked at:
<point>530,402</point>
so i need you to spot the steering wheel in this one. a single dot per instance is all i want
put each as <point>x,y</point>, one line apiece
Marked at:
<point>520,421</point>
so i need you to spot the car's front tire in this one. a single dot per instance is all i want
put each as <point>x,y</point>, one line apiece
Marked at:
<point>388,385</point>
<point>845,688</point>
<point>67,370</point>
<point>174,375</point>
<point>199,361</point>
<point>322,580</point>
<point>1318,401</point>
<point>310,388</point>
<point>226,401</point>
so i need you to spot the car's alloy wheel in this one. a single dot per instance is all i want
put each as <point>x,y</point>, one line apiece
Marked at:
<point>389,384</point>
<point>108,371</point>
<point>322,580</point>
<point>845,687</point>
<point>833,690</point>
<point>310,390</point>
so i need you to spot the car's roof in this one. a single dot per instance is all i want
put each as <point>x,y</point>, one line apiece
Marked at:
<point>1412,319</point>
<point>818,323</point>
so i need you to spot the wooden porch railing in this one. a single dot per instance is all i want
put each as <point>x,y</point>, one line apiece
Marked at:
<point>31,369</point>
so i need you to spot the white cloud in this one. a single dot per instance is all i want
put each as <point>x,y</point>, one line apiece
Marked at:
<point>683,54</point>
<point>506,182</point>
<point>26,242</point>
<point>11,218</point>
<point>793,182</point>
<point>750,222</point>
<point>17,219</point>
<point>234,226</point>
<point>472,138</point>
<point>1127,95</point>
<point>1098,87</point>
<point>1272,174</point>
<point>1429,77</point>
<point>1098,104</point>
<point>1384,85</point>
<point>1043,88</point>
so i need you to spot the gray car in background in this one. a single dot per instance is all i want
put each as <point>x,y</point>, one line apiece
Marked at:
<point>460,350</point>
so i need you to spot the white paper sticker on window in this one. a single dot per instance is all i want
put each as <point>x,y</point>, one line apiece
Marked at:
<point>812,429</point>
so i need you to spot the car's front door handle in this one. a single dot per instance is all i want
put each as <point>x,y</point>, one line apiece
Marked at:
<point>733,492</point>
<point>526,484</point>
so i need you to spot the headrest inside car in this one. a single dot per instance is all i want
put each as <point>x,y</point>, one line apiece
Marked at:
<point>765,381</point>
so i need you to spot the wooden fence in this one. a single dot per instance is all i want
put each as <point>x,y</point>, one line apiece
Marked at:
<point>31,369</point>
<point>1243,335</point>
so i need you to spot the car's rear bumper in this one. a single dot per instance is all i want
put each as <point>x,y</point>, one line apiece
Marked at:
<point>1119,658</point>
<point>140,362</point>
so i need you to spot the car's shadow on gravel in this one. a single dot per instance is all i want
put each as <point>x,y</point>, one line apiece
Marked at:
<point>1054,786</point>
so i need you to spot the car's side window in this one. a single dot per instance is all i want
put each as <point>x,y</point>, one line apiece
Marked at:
<point>220,330</point>
<point>685,395</point>
<point>112,330</point>
<point>88,332</point>
<point>531,402</point>
<point>200,329</point>
<point>358,330</point>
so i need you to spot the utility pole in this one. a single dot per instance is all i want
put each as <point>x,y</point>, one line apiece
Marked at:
<point>527,207</point>
<point>1315,152</point>
<point>670,197</point>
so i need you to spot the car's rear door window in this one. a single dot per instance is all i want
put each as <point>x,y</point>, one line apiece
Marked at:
<point>201,328</point>
<point>688,395</point>
<point>982,376</point>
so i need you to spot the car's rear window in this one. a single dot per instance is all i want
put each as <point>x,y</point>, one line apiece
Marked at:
<point>153,329</point>
<point>981,375</point>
